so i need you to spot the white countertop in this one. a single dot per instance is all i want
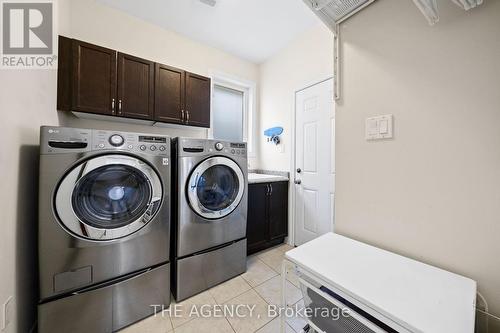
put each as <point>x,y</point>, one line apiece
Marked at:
<point>264,178</point>
<point>419,297</point>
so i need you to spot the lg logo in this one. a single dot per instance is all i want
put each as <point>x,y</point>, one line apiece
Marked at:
<point>27,28</point>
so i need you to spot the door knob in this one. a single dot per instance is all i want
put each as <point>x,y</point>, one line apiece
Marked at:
<point>299,170</point>
<point>298,181</point>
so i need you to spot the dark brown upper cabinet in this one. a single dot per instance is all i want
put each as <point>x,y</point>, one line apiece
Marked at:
<point>169,94</point>
<point>94,79</point>
<point>197,100</point>
<point>181,97</point>
<point>86,77</point>
<point>135,87</point>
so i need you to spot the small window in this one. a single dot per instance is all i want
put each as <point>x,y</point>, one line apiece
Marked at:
<point>233,110</point>
<point>228,114</point>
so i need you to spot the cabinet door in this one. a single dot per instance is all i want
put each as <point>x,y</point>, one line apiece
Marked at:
<point>257,224</point>
<point>94,78</point>
<point>197,100</point>
<point>135,87</point>
<point>278,210</point>
<point>169,94</point>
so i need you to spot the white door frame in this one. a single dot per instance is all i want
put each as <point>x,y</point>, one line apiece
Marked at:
<point>291,196</point>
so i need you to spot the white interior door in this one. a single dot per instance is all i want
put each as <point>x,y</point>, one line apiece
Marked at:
<point>314,161</point>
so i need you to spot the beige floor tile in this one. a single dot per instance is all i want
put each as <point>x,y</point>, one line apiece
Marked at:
<point>285,247</point>
<point>229,289</point>
<point>252,321</point>
<point>159,323</point>
<point>274,260</point>
<point>271,291</point>
<point>181,314</point>
<point>206,325</point>
<point>274,327</point>
<point>257,272</point>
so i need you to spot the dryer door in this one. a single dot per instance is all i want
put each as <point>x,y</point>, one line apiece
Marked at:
<point>108,197</point>
<point>215,187</point>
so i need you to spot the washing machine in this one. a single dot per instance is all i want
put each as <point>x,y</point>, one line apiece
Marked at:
<point>104,228</point>
<point>210,214</point>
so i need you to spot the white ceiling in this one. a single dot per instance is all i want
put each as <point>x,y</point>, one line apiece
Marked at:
<point>251,29</point>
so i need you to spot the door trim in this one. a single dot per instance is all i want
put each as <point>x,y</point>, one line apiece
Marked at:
<point>291,192</point>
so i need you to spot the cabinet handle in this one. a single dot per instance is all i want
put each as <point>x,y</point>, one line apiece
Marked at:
<point>113,106</point>
<point>268,190</point>
<point>120,106</point>
<point>271,187</point>
<point>187,117</point>
<point>182,115</point>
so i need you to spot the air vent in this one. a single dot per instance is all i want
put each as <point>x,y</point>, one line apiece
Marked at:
<point>332,12</point>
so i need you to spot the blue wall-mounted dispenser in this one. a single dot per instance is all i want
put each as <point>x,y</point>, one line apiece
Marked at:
<point>273,134</point>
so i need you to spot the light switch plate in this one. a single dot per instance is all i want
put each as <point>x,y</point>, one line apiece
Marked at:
<point>379,127</point>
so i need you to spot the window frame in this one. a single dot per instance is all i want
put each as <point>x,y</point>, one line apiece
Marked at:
<point>248,88</point>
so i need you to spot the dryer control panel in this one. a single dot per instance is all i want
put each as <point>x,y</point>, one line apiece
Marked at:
<point>192,147</point>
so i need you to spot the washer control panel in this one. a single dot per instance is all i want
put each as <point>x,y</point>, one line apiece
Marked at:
<point>63,140</point>
<point>133,142</point>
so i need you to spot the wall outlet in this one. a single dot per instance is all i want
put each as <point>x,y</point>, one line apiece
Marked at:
<point>8,309</point>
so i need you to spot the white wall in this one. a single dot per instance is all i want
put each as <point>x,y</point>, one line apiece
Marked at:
<point>28,100</point>
<point>433,192</point>
<point>308,59</point>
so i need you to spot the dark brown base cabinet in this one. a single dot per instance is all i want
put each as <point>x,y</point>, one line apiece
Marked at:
<point>267,222</point>
<point>98,80</point>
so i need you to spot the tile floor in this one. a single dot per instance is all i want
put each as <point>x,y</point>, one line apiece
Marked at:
<point>260,286</point>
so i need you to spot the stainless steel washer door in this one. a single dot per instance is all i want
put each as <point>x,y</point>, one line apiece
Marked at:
<point>108,197</point>
<point>215,187</point>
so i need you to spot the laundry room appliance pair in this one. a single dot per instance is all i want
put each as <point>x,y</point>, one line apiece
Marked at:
<point>109,243</point>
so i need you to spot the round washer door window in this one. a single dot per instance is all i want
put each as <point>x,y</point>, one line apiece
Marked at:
<point>216,187</point>
<point>108,197</point>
